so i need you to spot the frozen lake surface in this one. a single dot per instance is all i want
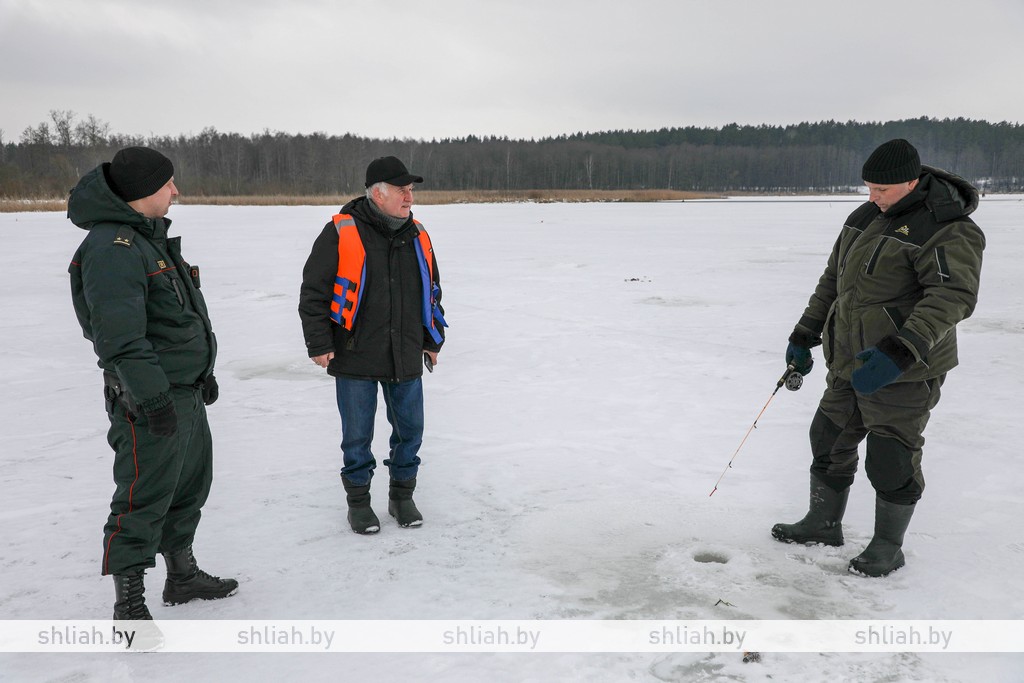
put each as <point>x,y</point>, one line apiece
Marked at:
<point>603,363</point>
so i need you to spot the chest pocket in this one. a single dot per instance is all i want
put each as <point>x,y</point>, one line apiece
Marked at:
<point>166,280</point>
<point>178,293</point>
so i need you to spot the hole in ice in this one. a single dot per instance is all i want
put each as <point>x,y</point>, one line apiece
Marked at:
<point>706,556</point>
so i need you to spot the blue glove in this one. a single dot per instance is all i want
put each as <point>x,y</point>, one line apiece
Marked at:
<point>883,365</point>
<point>798,353</point>
<point>800,358</point>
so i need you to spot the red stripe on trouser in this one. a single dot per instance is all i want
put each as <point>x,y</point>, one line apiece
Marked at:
<point>131,492</point>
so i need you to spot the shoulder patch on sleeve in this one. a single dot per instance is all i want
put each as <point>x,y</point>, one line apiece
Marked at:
<point>124,236</point>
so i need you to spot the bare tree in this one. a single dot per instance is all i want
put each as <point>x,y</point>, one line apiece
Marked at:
<point>40,135</point>
<point>91,132</point>
<point>62,125</point>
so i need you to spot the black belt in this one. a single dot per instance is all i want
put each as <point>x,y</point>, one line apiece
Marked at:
<point>114,391</point>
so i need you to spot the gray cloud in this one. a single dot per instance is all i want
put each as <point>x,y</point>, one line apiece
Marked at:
<point>522,68</point>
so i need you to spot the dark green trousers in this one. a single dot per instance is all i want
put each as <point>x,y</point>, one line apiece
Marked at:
<point>162,484</point>
<point>892,420</point>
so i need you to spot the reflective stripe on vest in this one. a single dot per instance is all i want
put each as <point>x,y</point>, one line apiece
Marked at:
<point>352,273</point>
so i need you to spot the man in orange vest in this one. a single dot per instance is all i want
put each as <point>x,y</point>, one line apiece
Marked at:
<point>370,305</point>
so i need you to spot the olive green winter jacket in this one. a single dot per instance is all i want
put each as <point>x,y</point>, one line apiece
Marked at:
<point>135,297</point>
<point>912,271</point>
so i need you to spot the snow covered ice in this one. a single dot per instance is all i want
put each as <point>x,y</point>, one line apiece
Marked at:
<point>603,363</point>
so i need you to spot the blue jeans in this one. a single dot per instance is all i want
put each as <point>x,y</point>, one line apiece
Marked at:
<point>357,404</point>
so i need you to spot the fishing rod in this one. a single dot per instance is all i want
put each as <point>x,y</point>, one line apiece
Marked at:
<point>792,380</point>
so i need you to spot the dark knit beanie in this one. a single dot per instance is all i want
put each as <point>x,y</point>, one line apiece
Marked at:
<point>893,162</point>
<point>138,172</point>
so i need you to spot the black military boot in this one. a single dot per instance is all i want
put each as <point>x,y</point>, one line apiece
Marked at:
<point>884,553</point>
<point>400,505</point>
<point>823,521</point>
<point>130,596</point>
<point>360,515</point>
<point>130,605</point>
<point>186,581</point>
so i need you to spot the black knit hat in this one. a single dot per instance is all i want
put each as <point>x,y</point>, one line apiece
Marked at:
<point>391,171</point>
<point>138,172</point>
<point>893,162</point>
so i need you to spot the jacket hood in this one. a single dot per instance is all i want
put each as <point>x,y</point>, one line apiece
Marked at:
<point>93,202</point>
<point>946,195</point>
<point>949,195</point>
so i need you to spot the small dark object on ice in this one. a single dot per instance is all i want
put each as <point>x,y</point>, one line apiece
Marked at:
<point>749,657</point>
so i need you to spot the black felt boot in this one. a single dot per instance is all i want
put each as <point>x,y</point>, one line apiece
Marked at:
<point>361,516</point>
<point>884,553</point>
<point>186,581</point>
<point>400,505</point>
<point>823,521</point>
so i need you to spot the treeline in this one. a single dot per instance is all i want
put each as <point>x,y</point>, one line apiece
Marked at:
<point>49,158</point>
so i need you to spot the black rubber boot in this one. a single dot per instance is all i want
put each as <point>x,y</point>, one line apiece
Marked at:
<point>884,553</point>
<point>823,521</point>
<point>400,505</point>
<point>361,517</point>
<point>186,581</point>
<point>130,596</point>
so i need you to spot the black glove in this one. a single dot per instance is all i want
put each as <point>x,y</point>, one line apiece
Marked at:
<point>162,421</point>
<point>211,390</point>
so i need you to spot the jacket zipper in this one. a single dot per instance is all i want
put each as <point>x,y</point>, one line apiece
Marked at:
<point>869,268</point>
<point>177,292</point>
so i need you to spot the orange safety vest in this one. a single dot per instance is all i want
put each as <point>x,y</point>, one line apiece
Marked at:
<point>352,272</point>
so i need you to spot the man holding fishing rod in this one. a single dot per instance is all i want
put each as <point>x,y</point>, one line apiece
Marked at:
<point>903,273</point>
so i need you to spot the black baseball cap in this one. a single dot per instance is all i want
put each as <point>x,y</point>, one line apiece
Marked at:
<point>391,171</point>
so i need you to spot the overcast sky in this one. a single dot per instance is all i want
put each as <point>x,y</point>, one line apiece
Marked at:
<point>524,68</point>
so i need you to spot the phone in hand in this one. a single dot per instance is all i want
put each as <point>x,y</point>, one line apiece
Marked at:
<point>427,363</point>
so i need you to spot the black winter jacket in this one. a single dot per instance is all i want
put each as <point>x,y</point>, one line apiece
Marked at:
<point>388,337</point>
<point>135,298</point>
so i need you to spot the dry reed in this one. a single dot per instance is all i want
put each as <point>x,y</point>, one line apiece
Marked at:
<point>422,197</point>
